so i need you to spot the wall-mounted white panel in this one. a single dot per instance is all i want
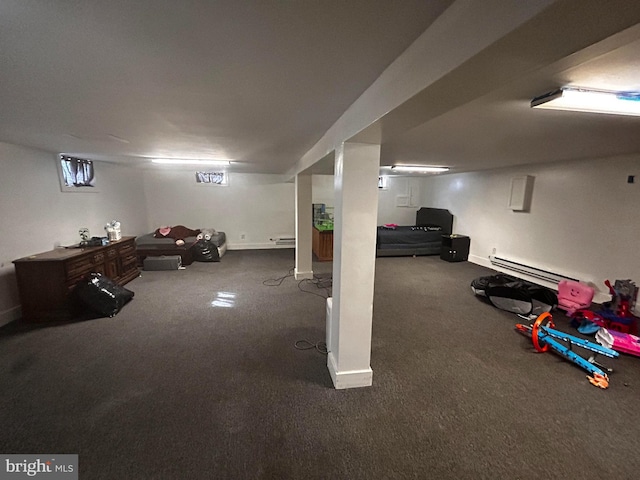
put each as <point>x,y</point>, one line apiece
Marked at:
<point>520,194</point>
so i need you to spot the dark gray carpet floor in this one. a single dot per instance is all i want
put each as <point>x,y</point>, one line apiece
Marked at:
<point>198,377</point>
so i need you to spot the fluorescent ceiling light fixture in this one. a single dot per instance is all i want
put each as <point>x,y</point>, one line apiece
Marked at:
<point>179,161</point>
<point>594,101</point>
<point>418,169</point>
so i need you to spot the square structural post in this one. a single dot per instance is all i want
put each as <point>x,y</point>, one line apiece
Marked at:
<point>354,255</point>
<point>304,225</point>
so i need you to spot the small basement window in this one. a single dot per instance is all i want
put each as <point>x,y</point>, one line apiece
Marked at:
<point>76,174</point>
<point>212,178</point>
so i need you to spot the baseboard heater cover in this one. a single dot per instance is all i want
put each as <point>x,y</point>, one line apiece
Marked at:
<point>284,240</point>
<point>529,270</point>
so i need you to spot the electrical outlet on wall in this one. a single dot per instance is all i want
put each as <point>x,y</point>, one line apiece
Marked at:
<point>243,236</point>
<point>493,251</point>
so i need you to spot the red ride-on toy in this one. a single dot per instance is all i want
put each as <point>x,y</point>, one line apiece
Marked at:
<point>616,315</point>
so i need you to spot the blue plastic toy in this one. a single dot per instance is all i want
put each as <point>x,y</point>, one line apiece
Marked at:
<point>545,337</point>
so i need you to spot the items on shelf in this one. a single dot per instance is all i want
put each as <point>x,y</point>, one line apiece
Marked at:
<point>113,230</point>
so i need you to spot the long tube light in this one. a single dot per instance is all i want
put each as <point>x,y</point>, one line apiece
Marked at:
<point>595,101</point>
<point>179,161</point>
<point>419,169</point>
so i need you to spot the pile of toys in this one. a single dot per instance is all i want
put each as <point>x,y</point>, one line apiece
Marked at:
<point>615,315</point>
<point>615,327</point>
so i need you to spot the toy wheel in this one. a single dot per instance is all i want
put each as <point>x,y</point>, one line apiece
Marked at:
<point>536,328</point>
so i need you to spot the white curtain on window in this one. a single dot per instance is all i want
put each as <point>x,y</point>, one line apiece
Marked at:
<point>77,172</point>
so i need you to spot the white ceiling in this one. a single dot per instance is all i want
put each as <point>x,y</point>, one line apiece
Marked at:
<point>260,82</point>
<point>500,129</point>
<point>254,81</point>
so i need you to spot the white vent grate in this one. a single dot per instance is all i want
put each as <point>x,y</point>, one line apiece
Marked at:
<point>284,240</point>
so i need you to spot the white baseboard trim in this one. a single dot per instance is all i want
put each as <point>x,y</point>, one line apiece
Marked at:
<point>302,275</point>
<point>10,315</point>
<point>350,378</point>
<point>256,246</point>
<point>484,261</point>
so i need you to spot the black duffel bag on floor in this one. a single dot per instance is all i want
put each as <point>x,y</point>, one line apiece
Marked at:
<point>205,251</point>
<point>515,295</point>
<point>102,295</point>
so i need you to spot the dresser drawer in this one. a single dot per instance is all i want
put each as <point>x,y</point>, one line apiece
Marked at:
<point>77,275</point>
<point>80,265</point>
<point>127,249</point>
<point>131,258</point>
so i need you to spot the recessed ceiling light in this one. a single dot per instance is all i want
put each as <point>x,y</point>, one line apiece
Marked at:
<point>594,101</point>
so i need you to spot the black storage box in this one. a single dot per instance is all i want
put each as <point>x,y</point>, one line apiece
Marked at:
<point>164,262</point>
<point>455,248</point>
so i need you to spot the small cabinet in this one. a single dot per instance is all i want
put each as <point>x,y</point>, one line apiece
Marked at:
<point>455,248</point>
<point>323,244</point>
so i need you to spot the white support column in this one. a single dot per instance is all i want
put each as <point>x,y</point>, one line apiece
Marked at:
<point>354,256</point>
<point>304,224</point>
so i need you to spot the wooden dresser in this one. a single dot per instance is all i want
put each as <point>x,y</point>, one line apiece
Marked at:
<point>46,280</point>
<point>322,244</point>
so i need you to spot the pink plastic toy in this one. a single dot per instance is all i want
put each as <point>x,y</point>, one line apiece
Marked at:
<point>574,295</point>
<point>620,342</point>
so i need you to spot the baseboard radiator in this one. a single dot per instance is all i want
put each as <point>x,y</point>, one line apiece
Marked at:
<point>284,240</point>
<point>528,270</point>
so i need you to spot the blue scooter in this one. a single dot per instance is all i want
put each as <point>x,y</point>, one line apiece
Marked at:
<point>545,337</point>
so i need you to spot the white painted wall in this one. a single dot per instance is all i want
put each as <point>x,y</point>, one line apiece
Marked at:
<point>323,189</point>
<point>388,210</point>
<point>258,206</point>
<point>584,220</point>
<point>37,216</point>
